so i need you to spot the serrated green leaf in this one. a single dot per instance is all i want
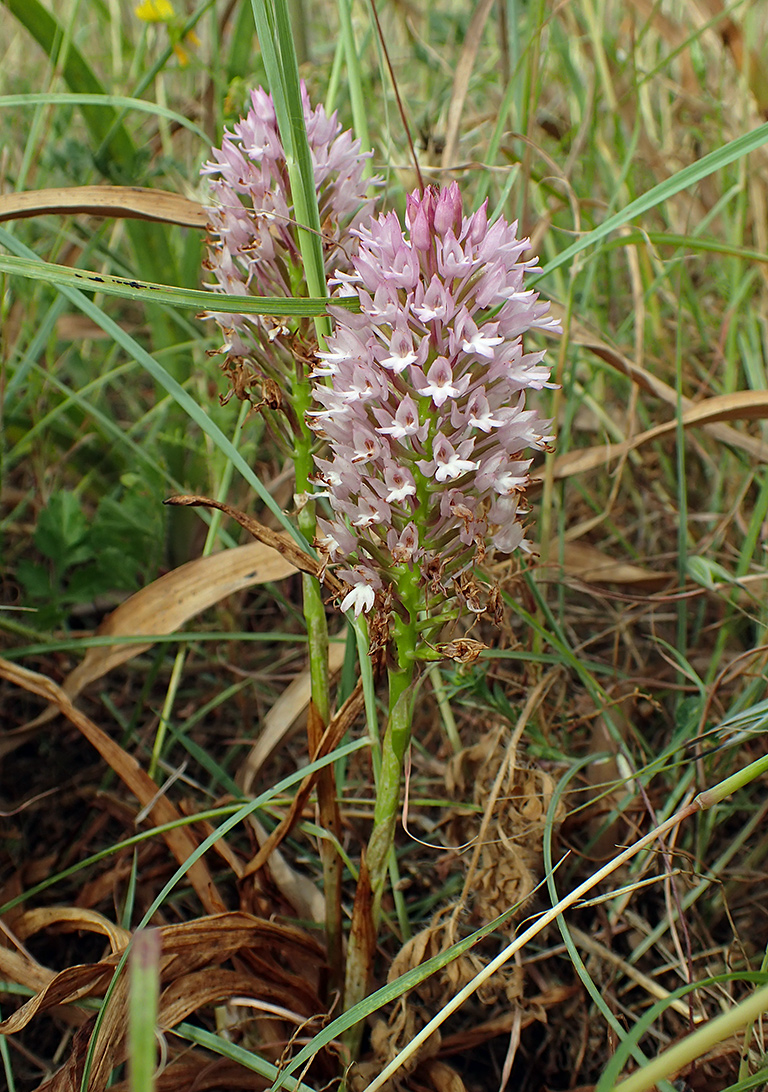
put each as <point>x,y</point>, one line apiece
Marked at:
<point>61,528</point>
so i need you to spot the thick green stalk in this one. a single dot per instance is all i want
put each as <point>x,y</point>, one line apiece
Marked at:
<point>396,738</point>
<point>317,644</point>
<point>367,909</point>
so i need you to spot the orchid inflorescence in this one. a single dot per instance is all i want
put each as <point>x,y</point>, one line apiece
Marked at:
<point>253,244</point>
<point>419,398</point>
<point>422,403</point>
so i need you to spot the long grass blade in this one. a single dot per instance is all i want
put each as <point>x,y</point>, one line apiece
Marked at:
<point>65,276</point>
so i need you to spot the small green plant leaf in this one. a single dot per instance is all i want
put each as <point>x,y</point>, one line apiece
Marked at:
<point>706,572</point>
<point>61,530</point>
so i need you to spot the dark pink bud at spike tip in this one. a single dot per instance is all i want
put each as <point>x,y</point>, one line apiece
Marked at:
<point>421,234</point>
<point>448,211</point>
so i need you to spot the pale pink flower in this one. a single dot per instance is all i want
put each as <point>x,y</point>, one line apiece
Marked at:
<point>425,404</point>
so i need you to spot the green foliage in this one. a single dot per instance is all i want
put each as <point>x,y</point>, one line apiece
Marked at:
<point>117,549</point>
<point>631,149</point>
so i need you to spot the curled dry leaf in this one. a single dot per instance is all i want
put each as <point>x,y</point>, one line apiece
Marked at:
<point>191,978</point>
<point>298,890</point>
<point>133,202</point>
<point>388,1037</point>
<point>508,860</point>
<point>180,840</point>
<point>68,919</point>
<point>739,406</point>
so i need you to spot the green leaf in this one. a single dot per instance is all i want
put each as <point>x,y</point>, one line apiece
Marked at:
<point>35,579</point>
<point>79,75</point>
<point>684,179</point>
<point>103,101</point>
<point>148,292</point>
<point>707,573</point>
<point>61,530</point>
<point>279,56</point>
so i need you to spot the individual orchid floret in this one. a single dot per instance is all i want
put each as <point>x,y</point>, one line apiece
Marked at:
<point>253,243</point>
<point>424,409</point>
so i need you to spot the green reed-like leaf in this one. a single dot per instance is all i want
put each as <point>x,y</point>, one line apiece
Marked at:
<point>78,74</point>
<point>682,180</point>
<point>107,102</point>
<point>65,276</point>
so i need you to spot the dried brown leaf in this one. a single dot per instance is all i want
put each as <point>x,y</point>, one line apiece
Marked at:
<point>440,1076</point>
<point>21,968</point>
<point>163,607</point>
<point>71,919</point>
<point>278,540</point>
<point>179,839</point>
<point>68,987</point>
<point>297,889</point>
<point>738,406</point>
<point>196,1071</point>
<point>331,737</point>
<point>281,717</point>
<point>170,601</point>
<point>594,567</point>
<point>132,202</point>
<point>190,966</point>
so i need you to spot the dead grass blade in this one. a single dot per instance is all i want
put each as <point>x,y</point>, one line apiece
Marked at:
<point>192,977</point>
<point>738,406</point>
<point>331,737</point>
<point>461,81</point>
<point>179,840</point>
<point>165,605</point>
<point>67,988</point>
<point>131,202</point>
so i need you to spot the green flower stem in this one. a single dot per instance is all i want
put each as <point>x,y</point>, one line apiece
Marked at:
<point>396,738</point>
<point>366,914</point>
<point>317,643</point>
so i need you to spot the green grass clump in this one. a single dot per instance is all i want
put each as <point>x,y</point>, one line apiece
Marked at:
<point>628,677</point>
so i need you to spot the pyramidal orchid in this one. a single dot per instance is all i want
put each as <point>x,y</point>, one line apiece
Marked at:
<point>424,410</point>
<point>253,244</point>
<point>421,398</point>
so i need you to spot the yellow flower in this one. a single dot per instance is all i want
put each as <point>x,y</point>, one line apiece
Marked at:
<point>155,11</point>
<point>178,48</point>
